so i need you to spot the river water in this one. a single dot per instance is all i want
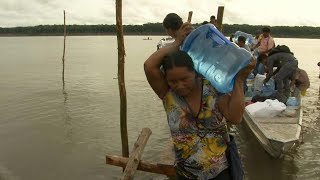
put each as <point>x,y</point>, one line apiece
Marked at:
<point>50,133</point>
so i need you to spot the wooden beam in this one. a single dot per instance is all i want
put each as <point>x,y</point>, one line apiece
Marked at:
<point>136,154</point>
<point>220,18</point>
<point>121,81</point>
<point>158,168</point>
<point>190,16</point>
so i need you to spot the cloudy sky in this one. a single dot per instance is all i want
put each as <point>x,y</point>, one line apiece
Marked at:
<point>254,12</point>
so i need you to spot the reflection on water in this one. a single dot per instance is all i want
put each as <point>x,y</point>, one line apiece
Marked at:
<point>66,116</point>
<point>46,133</point>
<point>258,164</point>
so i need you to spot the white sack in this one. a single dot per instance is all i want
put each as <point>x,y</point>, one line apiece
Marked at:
<point>268,108</point>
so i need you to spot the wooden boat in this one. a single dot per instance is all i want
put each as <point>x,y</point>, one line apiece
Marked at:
<point>279,134</point>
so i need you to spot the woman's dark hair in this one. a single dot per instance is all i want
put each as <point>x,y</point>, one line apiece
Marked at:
<point>177,59</point>
<point>172,21</point>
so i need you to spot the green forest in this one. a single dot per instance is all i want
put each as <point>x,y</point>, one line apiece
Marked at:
<point>154,29</point>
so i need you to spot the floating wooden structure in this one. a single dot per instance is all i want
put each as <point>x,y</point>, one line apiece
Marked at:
<point>133,163</point>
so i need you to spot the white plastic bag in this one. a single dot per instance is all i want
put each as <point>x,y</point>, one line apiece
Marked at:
<point>268,108</point>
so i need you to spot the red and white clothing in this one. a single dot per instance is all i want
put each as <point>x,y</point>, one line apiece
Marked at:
<point>266,43</point>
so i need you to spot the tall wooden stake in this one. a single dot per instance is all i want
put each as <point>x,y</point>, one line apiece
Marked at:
<point>64,45</point>
<point>190,16</point>
<point>220,18</point>
<point>121,82</point>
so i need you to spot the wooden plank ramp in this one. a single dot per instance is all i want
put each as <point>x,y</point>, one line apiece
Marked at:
<point>165,169</point>
<point>135,156</point>
<point>134,163</point>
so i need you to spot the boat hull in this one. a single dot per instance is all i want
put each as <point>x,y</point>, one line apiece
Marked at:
<point>276,142</point>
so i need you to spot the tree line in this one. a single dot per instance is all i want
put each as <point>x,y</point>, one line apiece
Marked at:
<point>155,29</point>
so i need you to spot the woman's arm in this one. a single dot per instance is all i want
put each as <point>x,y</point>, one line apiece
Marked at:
<point>152,65</point>
<point>232,105</point>
<point>152,70</point>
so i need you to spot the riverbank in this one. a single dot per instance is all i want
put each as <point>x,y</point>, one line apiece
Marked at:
<point>74,34</point>
<point>153,29</point>
<point>127,34</point>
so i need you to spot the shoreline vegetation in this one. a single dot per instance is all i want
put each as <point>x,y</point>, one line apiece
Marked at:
<point>153,29</point>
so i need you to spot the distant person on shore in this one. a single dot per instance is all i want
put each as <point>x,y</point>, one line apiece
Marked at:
<point>213,20</point>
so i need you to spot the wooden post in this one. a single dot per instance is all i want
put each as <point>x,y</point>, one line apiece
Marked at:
<point>121,82</point>
<point>220,18</point>
<point>190,16</point>
<point>64,45</point>
<point>136,154</point>
<point>165,169</point>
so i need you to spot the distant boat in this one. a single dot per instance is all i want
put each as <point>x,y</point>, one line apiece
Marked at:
<point>147,38</point>
<point>164,42</point>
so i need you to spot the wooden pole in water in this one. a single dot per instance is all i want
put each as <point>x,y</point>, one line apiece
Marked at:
<point>64,45</point>
<point>190,16</point>
<point>220,18</point>
<point>121,82</point>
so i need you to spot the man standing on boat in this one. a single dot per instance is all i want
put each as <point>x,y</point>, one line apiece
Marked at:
<point>263,47</point>
<point>265,42</point>
<point>213,20</point>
